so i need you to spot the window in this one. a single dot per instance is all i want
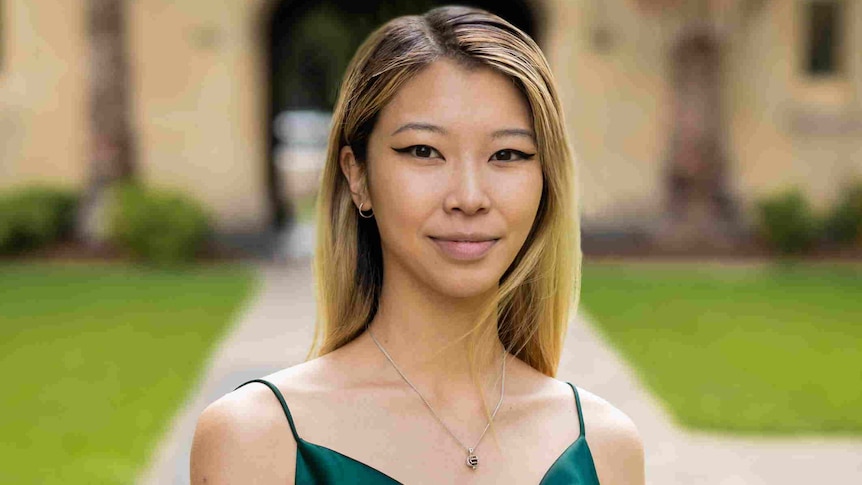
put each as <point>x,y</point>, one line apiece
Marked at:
<point>825,34</point>
<point>823,90</point>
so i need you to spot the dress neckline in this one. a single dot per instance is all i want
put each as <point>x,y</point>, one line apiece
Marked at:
<point>573,448</point>
<point>559,459</point>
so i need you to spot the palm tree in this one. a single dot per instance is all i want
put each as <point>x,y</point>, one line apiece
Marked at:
<point>111,152</point>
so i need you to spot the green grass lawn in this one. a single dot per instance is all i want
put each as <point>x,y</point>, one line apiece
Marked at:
<point>95,360</point>
<point>770,349</point>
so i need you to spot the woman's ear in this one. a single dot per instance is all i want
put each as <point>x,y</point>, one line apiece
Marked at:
<point>355,174</point>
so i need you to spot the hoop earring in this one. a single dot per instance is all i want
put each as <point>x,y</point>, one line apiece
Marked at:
<point>369,216</point>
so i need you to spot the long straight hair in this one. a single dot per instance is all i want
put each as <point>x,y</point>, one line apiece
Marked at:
<point>530,310</point>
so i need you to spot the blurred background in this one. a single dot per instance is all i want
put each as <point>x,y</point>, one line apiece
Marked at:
<point>159,162</point>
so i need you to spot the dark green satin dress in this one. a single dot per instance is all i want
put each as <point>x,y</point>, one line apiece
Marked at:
<point>320,465</point>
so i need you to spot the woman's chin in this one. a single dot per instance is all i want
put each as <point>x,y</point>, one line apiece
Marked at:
<point>465,288</point>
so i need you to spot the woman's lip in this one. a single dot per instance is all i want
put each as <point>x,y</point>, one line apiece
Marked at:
<point>464,250</point>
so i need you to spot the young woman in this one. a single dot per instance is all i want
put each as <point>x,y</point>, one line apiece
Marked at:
<point>447,263</point>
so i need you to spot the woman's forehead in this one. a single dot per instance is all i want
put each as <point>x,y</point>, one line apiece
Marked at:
<point>450,96</point>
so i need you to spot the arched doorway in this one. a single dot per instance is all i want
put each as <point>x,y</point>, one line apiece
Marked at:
<point>309,44</point>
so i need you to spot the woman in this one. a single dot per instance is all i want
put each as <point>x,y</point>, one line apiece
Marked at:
<point>447,262</point>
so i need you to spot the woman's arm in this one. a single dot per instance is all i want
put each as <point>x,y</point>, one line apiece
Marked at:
<point>243,438</point>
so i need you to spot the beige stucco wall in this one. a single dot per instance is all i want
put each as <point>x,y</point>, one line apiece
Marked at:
<point>199,92</point>
<point>197,86</point>
<point>42,110</point>
<point>618,103</point>
<point>787,129</point>
<point>615,102</point>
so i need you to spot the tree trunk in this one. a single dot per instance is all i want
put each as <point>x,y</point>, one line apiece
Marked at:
<point>699,211</point>
<point>111,148</point>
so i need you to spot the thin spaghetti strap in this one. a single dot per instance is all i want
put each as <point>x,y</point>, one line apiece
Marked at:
<point>580,414</point>
<point>280,400</point>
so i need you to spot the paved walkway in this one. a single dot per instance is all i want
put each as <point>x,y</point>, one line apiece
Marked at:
<point>276,329</point>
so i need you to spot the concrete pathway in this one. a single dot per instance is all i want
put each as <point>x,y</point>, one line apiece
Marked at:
<point>273,332</point>
<point>276,328</point>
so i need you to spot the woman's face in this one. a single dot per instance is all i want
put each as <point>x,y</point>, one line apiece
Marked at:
<point>452,158</point>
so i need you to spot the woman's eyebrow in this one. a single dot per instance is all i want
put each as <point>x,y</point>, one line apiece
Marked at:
<point>420,127</point>
<point>439,129</point>
<point>513,132</point>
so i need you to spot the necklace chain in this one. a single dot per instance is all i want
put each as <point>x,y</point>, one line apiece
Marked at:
<point>428,405</point>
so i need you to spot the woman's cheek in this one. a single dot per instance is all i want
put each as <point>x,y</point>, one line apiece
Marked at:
<point>518,197</point>
<point>418,189</point>
<point>406,197</point>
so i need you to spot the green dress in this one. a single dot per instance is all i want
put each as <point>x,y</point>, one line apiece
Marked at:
<point>317,464</point>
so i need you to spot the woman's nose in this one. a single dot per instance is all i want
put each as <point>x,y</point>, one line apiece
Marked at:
<point>467,191</point>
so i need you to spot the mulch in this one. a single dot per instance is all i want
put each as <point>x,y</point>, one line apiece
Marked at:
<point>73,252</point>
<point>741,251</point>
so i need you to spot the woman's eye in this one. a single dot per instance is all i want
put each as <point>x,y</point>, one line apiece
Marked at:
<point>423,151</point>
<point>511,155</point>
<point>419,151</point>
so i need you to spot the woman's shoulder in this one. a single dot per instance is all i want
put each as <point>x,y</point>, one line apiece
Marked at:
<point>612,437</point>
<point>614,441</point>
<point>245,436</point>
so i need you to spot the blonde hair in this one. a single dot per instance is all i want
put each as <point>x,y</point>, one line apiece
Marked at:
<point>530,310</point>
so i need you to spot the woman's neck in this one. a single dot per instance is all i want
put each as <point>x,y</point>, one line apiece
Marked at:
<point>422,331</point>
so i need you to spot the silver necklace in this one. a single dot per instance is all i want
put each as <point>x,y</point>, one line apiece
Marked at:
<point>472,459</point>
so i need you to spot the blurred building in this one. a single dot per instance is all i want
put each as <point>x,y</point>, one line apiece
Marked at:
<point>207,82</point>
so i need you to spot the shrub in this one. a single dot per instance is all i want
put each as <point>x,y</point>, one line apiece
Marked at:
<point>844,222</point>
<point>787,222</point>
<point>34,216</point>
<point>158,226</point>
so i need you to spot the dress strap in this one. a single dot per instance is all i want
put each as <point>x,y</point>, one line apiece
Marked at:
<point>280,400</point>
<point>580,414</point>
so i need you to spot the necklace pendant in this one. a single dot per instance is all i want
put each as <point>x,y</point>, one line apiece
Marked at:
<point>472,459</point>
